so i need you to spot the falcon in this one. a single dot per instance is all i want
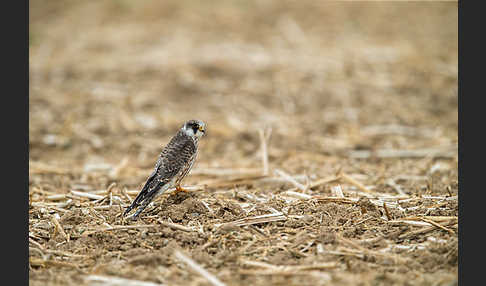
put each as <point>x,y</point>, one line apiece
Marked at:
<point>174,163</point>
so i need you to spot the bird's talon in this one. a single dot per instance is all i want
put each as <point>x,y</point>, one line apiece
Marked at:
<point>179,189</point>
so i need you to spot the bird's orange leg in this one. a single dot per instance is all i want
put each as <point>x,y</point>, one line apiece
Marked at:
<point>179,189</point>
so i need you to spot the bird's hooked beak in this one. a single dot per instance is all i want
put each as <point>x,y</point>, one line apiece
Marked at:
<point>201,128</point>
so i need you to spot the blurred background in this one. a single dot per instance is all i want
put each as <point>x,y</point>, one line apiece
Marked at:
<point>112,81</point>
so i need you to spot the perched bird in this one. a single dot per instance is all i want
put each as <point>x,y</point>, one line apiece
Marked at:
<point>174,163</point>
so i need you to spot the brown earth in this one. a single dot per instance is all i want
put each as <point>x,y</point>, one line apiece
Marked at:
<point>359,99</point>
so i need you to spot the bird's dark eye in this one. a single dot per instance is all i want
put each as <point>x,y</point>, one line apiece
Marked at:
<point>195,128</point>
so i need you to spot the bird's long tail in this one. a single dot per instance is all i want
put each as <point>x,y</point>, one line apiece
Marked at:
<point>140,197</point>
<point>141,207</point>
<point>129,208</point>
<point>145,196</point>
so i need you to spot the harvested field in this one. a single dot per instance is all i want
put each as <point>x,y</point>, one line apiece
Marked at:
<point>330,156</point>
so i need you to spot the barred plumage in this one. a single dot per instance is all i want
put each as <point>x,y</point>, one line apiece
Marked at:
<point>174,163</point>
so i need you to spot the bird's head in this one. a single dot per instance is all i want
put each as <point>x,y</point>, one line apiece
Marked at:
<point>195,128</point>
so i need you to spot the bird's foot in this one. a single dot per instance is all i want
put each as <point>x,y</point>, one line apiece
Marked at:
<point>179,189</point>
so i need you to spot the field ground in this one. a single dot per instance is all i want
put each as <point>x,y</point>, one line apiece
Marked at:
<point>354,103</point>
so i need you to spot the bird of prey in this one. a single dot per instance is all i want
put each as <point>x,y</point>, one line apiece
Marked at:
<point>174,163</point>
